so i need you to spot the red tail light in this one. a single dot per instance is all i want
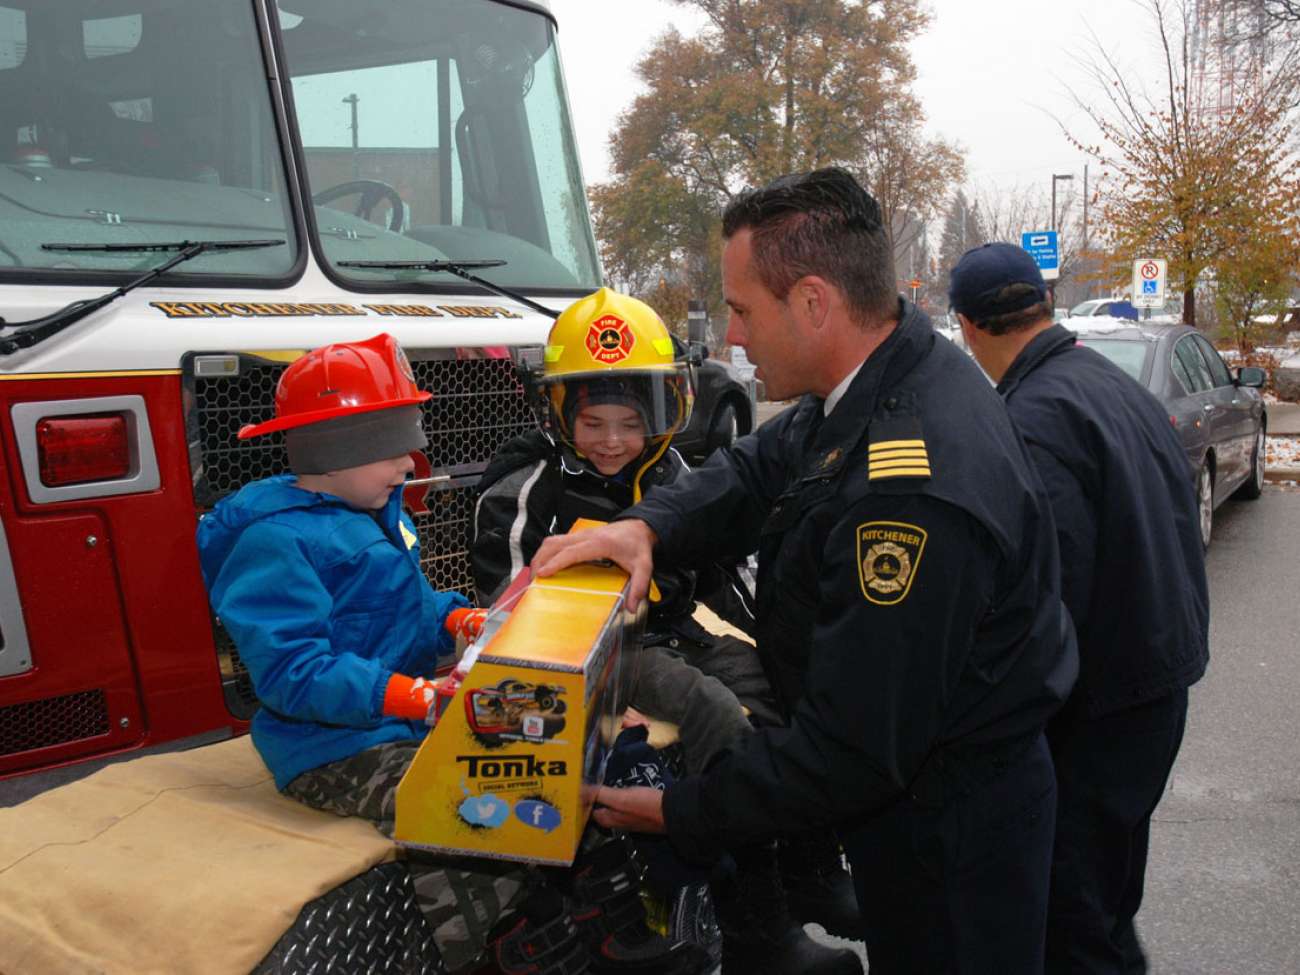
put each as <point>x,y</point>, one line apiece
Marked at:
<point>79,449</point>
<point>1173,420</point>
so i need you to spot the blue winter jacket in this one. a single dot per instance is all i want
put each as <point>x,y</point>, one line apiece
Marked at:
<point>324,603</point>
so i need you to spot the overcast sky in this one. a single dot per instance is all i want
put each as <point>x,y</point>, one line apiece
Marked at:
<point>989,74</point>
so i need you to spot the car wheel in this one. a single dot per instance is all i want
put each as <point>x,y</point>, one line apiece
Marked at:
<point>723,428</point>
<point>1254,485</point>
<point>1205,503</point>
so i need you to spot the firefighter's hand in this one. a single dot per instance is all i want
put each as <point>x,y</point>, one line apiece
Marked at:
<point>638,809</point>
<point>464,623</point>
<point>629,542</point>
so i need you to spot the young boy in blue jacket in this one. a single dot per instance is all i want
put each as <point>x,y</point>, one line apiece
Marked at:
<point>316,577</point>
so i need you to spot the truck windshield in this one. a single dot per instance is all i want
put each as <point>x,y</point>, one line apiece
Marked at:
<point>438,129</point>
<point>125,121</point>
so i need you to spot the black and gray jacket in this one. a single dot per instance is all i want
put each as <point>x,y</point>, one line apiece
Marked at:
<point>536,486</point>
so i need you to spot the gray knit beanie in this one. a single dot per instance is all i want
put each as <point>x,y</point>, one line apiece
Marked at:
<point>355,440</point>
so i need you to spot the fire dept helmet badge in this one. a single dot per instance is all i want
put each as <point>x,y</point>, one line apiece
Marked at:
<point>609,340</point>
<point>889,555</point>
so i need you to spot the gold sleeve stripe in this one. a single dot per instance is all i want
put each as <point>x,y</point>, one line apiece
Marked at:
<point>894,445</point>
<point>884,465</point>
<point>897,455</point>
<point>877,475</point>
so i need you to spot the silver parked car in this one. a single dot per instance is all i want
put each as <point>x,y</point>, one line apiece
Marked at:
<point>1219,416</point>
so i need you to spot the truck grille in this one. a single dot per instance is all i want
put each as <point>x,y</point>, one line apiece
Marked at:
<point>478,405</point>
<point>52,721</point>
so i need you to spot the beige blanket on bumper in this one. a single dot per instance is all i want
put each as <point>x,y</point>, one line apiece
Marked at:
<point>176,863</point>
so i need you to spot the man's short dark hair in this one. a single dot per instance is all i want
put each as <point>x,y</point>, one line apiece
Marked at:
<point>821,223</point>
<point>1015,321</point>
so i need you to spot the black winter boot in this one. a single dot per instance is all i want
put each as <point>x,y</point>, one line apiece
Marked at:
<point>536,937</point>
<point>817,887</point>
<point>606,887</point>
<point>759,937</point>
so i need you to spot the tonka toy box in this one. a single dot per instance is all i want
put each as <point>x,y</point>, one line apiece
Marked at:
<point>510,769</point>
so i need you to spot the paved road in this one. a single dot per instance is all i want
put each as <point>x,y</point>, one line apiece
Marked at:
<point>1223,892</point>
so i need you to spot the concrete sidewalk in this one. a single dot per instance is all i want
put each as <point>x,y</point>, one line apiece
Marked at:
<point>1283,419</point>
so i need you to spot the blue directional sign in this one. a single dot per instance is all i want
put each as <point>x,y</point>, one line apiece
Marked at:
<point>1041,245</point>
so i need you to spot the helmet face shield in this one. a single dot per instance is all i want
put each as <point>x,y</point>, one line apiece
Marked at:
<point>609,348</point>
<point>662,398</point>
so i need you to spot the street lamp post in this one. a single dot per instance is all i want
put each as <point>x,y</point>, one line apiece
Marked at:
<point>1063,177</point>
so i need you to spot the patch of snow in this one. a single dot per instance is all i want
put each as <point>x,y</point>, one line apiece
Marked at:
<point>1281,452</point>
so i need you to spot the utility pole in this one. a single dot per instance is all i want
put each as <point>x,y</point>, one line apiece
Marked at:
<point>1057,177</point>
<point>352,100</point>
<point>1085,222</point>
<point>1085,206</point>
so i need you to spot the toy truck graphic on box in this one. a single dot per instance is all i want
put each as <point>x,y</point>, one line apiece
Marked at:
<point>515,709</point>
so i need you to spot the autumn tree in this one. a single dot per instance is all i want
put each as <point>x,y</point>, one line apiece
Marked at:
<point>963,228</point>
<point>767,87</point>
<point>1188,176</point>
<point>1256,279</point>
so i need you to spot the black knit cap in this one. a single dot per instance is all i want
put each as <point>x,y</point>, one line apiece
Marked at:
<point>605,391</point>
<point>355,440</point>
<point>979,286</point>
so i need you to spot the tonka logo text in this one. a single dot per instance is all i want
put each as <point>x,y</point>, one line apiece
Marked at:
<point>511,767</point>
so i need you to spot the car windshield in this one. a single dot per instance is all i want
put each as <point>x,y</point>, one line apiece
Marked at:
<point>128,121</point>
<point>1128,354</point>
<point>438,129</point>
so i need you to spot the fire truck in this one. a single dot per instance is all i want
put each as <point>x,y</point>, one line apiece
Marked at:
<point>192,194</point>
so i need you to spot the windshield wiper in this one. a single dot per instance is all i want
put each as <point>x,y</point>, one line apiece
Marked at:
<point>22,335</point>
<point>457,268</point>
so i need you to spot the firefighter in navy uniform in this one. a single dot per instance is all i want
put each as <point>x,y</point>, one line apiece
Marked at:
<point>908,597</point>
<point>1133,578</point>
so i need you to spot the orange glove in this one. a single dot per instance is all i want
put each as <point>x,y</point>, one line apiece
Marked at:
<point>410,697</point>
<point>465,623</point>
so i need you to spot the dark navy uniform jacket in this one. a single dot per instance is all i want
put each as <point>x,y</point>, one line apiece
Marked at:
<point>908,592</point>
<point>1133,568</point>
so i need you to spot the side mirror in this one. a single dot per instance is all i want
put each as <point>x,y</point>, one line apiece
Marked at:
<point>1251,376</point>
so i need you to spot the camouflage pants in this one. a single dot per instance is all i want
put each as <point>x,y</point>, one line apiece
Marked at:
<point>461,897</point>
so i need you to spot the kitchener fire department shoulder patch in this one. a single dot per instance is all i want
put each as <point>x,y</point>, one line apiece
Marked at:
<point>889,555</point>
<point>609,339</point>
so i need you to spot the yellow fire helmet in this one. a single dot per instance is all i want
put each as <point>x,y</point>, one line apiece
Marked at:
<point>611,348</point>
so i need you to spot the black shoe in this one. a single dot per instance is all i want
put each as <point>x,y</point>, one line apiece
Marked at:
<point>612,922</point>
<point>537,937</point>
<point>759,937</point>
<point>817,887</point>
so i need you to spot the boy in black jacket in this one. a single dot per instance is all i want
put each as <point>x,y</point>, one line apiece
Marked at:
<point>616,395</point>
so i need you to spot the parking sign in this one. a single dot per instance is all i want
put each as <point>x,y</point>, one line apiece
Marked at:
<point>1041,245</point>
<point>1149,275</point>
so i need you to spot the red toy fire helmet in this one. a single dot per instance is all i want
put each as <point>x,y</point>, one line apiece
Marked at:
<point>342,379</point>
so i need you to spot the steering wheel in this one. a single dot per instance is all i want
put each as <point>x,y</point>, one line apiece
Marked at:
<point>371,192</point>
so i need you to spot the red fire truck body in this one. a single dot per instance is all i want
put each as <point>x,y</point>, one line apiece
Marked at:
<point>310,172</point>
